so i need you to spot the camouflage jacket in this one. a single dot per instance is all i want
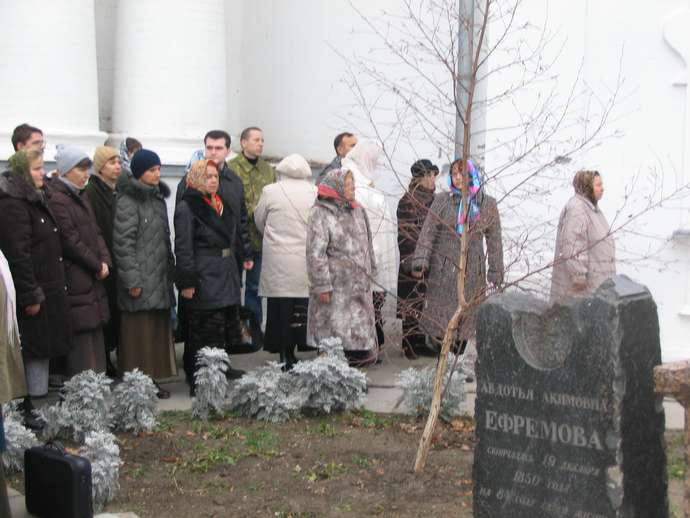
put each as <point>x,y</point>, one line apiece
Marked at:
<point>254,178</point>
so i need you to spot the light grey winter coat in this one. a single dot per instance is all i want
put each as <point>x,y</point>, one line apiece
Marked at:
<point>585,251</point>
<point>438,251</point>
<point>281,217</point>
<point>340,259</point>
<point>141,246</point>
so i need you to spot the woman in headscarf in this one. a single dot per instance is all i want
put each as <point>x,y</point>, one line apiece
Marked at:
<point>340,267</point>
<point>207,273</point>
<point>30,240</point>
<point>145,270</point>
<point>438,253</point>
<point>412,210</point>
<point>86,258</point>
<point>585,250</point>
<point>362,161</point>
<point>281,217</point>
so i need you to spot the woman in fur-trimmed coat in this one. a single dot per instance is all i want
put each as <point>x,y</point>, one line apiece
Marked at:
<point>207,274</point>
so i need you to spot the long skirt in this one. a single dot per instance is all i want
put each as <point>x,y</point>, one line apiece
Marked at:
<point>146,343</point>
<point>88,352</point>
<point>286,324</point>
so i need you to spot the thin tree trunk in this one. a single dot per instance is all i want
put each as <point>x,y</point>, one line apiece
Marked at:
<point>458,316</point>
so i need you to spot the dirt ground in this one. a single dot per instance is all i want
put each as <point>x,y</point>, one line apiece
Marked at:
<point>350,465</point>
<point>356,464</point>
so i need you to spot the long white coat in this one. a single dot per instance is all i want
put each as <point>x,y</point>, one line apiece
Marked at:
<point>362,161</point>
<point>281,216</point>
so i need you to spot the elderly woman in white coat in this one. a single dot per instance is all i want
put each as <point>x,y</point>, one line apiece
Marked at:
<point>363,161</point>
<point>585,250</point>
<point>281,216</point>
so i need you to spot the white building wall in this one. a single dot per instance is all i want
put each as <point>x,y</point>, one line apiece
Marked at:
<point>169,71</point>
<point>644,140</point>
<point>48,72</point>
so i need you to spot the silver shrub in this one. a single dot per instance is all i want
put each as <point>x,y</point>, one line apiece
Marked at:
<point>104,454</point>
<point>86,400</point>
<point>134,403</point>
<point>328,383</point>
<point>417,386</point>
<point>211,383</point>
<point>56,421</point>
<point>17,439</point>
<point>267,394</point>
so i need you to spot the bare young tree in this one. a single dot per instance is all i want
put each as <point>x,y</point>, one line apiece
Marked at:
<point>425,86</point>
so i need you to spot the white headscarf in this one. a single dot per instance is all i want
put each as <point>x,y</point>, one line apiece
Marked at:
<point>365,157</point>
<point>10,316</point>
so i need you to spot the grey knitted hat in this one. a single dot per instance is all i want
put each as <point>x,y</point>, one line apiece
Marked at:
<point>67,157</point>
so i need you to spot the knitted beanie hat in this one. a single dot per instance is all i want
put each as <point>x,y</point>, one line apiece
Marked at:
<point>101,156</point>
<point>68,157</point>
<point>142,161</point>
<point>422,167</point>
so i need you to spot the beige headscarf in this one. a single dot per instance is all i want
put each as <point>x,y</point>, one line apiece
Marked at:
<point>196,179</point>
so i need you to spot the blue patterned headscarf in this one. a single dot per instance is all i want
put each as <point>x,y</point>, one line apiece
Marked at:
<point>475,184</point>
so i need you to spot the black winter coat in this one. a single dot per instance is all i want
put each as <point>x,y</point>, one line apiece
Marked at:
<point>102,199</point>
<point>205,253</point>
<point>141,246</point>
<point>413,208</point>
<point>231,191</point>
<point>30,239</point>
<point>84,251</point>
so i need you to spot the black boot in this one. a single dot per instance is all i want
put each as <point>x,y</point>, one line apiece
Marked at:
<point>110,369</point>
<point>32,422</point>
<point>290,354</point>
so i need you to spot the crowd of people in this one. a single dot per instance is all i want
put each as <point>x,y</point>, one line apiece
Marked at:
<point>90,269</point>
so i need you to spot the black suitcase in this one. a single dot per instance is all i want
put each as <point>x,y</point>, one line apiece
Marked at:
<point>57,484</point>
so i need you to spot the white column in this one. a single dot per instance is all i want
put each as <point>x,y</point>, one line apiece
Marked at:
<point>48,72</point>
<point>170,74</point>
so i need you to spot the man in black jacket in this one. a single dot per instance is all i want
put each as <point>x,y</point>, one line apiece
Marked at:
<point>231,191</point>
<point>343,143</point>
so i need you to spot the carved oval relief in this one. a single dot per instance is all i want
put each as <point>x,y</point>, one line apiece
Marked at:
<point>544,340</point>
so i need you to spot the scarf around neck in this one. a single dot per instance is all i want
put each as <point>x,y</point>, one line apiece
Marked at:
<point>474,186</point>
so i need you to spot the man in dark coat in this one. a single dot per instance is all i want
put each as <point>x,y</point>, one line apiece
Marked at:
<point>412,210</point>
<point>101,193</point>
<point>343,143</point>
